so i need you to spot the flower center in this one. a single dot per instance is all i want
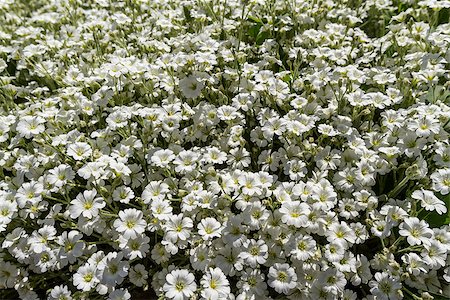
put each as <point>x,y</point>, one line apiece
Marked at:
<point>69,247</point>
<point>295,214</point>
<point>130,224</point>
<point>88,277</point>
<point>213,284</point>
<point>282,276</point>
<point>179,286</point>
<point>340,234</point>
<point>301,246</point>
<point>415,233</point>
<point>254,251</point>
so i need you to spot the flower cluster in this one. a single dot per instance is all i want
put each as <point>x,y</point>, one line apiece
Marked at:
<point>227,149</point>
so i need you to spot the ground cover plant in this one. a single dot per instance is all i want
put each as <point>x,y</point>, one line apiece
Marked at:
<point>224,149</point>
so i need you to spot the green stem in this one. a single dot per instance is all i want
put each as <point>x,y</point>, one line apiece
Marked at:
<point>55,199</point>
<point>414,248</point>
<point>446,123</point>
<point>108,214</point>
<point>411,294</point>
<point>396,241</point>
<point>398,188</point>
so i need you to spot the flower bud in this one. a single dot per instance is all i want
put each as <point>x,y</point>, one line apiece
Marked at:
<point>412,171</point>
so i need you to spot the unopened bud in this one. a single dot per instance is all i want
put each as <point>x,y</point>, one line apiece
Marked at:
<point>365,112</point>
<point>426,296</point>
<point>412,171</point>
<point>182,193</point>
<point>405,276</point>
<point>103,190</point>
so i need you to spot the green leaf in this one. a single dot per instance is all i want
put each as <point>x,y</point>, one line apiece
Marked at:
<point>262,36</point>
<point>187,13</point>
<point>447,204</point>
<point>254,31</point>
<point>439,297</point>
<point>444,16</point>
<point>255,20</point>
<point>286,78</point>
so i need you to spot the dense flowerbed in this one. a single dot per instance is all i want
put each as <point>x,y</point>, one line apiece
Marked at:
<point>224,149</point>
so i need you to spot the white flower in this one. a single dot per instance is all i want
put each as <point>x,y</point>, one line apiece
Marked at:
<point>139,138</point>
<point>249,182</point>
<point>186,161</point>
<point>9,274</point>
<point>60,292</point>
<point>334,251</point>
<point>130,223</point>
<point>119,169</point>
<point>117,119</point>
<point>155,190</point>
<point>160,254</point>
<point>79,150</point>
<point>340,233</point>
<point>363,273</point>
<point>4,129</point>
<point>441,181</point>
<point>417,231</point>
<point>215,156</point>
<point>7,211</point>
<point>252,281</point>
<point>29,193</point>
<point>414,264</point>
<point>295,213</point>
<point>332,280</point>
<point>162,158</point>
<point>424,126</point>
<point>135,247</point>
<point>60,175</point>
<point>215,285</point>
<point>296,169</point>
<point>255,215</point>
<point>123,194</point>
<point>29,126</point>
<point>191,86</point>
<point>303,247</point>
<point>385,287</point>
<point>434,255</point>
<point>442,235</point>
<point>256,252</point>
<point>180,285</point>
<point>119,294</point>
<point>71,246</point>
<point>282,278</point>
<point>94,170</point>
<point>200,257</point>
<point>429,201</point>
<point>86,278</point>
<point>113,269</point>
<point>209,228</point>
<point>3,65</point>
<point>178,228</point>
<point>161,209</point>
<point>138,275</point>
<point>86,204</point>
<point>40,239</point>
<point>379,100</point>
